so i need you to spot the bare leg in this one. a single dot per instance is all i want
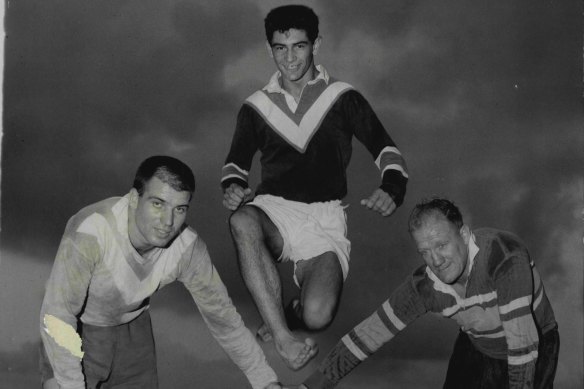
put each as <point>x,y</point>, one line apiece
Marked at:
<point>256,238</point>
<point>321,282</point>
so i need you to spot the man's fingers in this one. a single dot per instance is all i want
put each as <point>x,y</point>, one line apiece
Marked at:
<point>229,205</point>
<point>389,209</point>
<point>231,200</point>
<point>381,202</point>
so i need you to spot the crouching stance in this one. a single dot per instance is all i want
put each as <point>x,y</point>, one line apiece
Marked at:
<point>95,323</point>
<point>486,281</point>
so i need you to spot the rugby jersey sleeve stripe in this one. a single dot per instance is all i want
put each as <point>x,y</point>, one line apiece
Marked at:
<point>513,279</point>
<point>243,148</point>
<point>402,307</point>
<point>371,133</point>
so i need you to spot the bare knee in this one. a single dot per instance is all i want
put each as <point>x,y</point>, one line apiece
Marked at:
<point>245,221</point>
<point>317,314</point>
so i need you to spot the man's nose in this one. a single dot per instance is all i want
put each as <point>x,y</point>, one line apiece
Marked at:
<point>167,217</point>
<point>290,56</point>
<point>437,259</point>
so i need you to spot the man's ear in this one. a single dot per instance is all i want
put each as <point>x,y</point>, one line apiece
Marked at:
<point>316,45</point>
<point>269,47</point>
<point>465,233</point>
<point>134,196</point>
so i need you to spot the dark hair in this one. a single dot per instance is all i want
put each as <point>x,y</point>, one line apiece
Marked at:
<point>436,205</point>
<point>286,17</point>
<point>169,170</point>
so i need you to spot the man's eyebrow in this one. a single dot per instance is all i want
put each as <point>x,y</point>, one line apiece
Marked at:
<point>305,42</point>
<point>187,205</point>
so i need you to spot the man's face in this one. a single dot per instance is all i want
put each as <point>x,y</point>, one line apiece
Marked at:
<point>444,248</point>
<point>157,216</point>
<point>293,54</point>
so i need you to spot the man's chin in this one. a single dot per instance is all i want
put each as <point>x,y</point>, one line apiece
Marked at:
<point>161,242</point>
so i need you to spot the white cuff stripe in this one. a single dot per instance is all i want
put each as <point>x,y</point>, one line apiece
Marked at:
<point>396,167</point>
<point>386,149</point>
<point>523,359</point>
<point>392,317</point>
<point>234,166</point>
<point>356,351</point>
<point>233,176</point>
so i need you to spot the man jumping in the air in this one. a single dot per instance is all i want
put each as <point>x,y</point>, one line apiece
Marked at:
<point>302,122</point>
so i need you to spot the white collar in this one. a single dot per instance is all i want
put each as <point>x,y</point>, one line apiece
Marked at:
<point>273,86</point>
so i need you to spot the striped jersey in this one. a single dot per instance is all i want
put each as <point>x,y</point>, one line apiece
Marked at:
<point>503,309</point>
<point>306,147</point>
<point>101,279</point>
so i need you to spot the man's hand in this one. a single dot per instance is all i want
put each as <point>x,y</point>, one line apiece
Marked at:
<point>234,195</point>
<point>380,201</point>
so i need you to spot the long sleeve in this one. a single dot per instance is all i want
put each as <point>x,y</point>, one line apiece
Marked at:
<point>369,131</point>
<point>203,282</point>
<point>403,306</point>
<point>63,301</point>
<point>514,285</point>
<point>243,148</point>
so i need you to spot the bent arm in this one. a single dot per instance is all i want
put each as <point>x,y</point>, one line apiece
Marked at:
<point>243,148</point>
<point>369,130</point>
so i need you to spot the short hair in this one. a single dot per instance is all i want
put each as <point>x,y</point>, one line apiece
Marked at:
<point>286,17</point>
<point>169,170</point>
<point>435,205</point>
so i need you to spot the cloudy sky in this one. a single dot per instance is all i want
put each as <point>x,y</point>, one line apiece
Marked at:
<point>483,101</point>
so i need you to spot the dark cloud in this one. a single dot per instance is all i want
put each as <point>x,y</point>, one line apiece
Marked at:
<point>482,99</point>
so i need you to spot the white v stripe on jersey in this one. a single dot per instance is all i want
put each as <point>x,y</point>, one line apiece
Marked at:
<point>298,136</point>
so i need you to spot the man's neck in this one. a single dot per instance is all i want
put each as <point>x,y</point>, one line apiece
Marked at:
<point>295,88</point>
<point>133,236</point>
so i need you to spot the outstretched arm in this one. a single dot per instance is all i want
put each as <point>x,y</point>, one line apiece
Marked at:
<point>403,306</point>
<point>225,324</point>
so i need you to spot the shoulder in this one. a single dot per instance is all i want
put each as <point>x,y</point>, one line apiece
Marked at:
<point>422,283</point>
<point>95,217</point>
<point>189,241</point>
<point>348,96</point>
<point>499,247</point>
<point>418,283</point>
<point>257,102</point>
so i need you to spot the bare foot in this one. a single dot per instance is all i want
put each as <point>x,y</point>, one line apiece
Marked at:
<point>296,353</point>
<point>264,334</point>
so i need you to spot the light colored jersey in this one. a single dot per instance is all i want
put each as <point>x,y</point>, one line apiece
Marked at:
<point>99,277</point>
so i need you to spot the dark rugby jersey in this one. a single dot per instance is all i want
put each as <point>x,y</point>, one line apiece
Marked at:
<point>305,153</point>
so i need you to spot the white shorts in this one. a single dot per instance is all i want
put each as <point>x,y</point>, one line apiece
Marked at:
<point>308,230</point>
